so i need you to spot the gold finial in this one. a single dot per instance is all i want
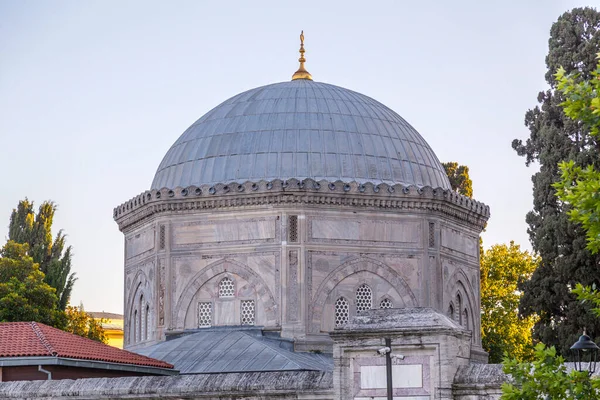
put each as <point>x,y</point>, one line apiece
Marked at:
<point>302,73</point>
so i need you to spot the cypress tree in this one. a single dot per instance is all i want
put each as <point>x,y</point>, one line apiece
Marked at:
<point>54,259</point>
<point>554,137</point>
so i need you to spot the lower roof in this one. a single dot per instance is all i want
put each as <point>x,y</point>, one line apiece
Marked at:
<point>234,349</point>
<point>34,339</point>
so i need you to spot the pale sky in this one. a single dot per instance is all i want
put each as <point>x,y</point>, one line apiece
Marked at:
<point>93,94</point>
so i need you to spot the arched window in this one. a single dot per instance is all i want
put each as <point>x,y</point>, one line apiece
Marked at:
<point>341,312</point>
<point>146,319</point>
<point>226,287</point>
<point>458,318</point>
<point>134,330</point>
<point>465,318</point>
<point>386,303</point>
<point>451,311</point>
<point>141,325</point>
<point>364,298</point>
<point>204,314</point>
<point>247,312</point>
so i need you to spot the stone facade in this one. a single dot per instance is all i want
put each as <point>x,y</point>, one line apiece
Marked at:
<point>297,257</point>
<point>426,350</point>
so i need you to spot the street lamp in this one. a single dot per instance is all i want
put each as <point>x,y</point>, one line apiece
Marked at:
<point>585,352</point>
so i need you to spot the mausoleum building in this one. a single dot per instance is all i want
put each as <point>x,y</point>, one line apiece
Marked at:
<point>291,209</point>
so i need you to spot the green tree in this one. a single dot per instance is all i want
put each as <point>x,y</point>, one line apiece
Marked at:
<point>580,186</point>
<point>24,296</point>
<point>51,254</point>
<point>547,378</point>
<point>503,330</point>
<point>459,178</point>
<point>83,324</point>
<point>560,243</point>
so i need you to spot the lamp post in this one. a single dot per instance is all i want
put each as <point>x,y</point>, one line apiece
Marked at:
<point>585,352</point>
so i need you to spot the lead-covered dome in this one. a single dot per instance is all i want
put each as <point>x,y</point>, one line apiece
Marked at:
<point>300,129</point>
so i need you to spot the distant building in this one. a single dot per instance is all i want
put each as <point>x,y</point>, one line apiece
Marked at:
<point>34,351</point>
<point>113,327</point>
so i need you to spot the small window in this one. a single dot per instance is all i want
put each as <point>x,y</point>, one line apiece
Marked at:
<point>458,318</point>
<point>386,303</point>
<point>146,319</point>
<point>293,228</point>
<point>226,288</point>
<point>204,314</point>
<point>364,298</point>
<point>341,312</point>
<point>135,327</point>
<point>247,312</point>
<point>451,311</point>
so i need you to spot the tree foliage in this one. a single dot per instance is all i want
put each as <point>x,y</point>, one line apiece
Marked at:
<point>24,296</point>
<point>35,275</point>
<point>547,378</point>
<point>503,331</point>
<point>459,178</point>
<point>580,186</point>
<point>560,243</point>
<point>51,254</point>
<point>83,324</point>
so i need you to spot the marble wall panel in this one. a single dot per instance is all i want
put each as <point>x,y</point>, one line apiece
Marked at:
<point>138,243</point>
<point>461,242</point>
<point>348,230</point>
<point>199,233</point>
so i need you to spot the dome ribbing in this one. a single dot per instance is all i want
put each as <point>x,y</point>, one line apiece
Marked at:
<point>300,129</point>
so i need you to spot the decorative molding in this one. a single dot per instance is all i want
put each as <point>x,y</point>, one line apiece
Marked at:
<point>161,291</point>
<point>294,192</point>
<point>292,286</point>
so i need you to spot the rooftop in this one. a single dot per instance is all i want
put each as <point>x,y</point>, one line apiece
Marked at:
<point>300,129</point>
<point>33,339</point>
<point>235,349</point>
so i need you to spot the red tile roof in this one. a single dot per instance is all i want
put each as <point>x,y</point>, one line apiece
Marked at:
<point>27,339</point>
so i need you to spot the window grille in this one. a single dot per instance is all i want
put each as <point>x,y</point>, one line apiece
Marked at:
<point>431,234</point>
<point>293,228</point>
<point>247,312</point>
<point>226,288</point>
<point>364,298</point>
<point>161,237</point>
<point>204,314</point>
<point>341,312</point>
<point>386,303</point>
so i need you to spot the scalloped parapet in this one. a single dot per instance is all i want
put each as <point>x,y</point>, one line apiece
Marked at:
<point>306,191</point>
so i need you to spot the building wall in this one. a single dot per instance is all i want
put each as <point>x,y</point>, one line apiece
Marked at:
<point>31,372</point>
<point>294,262</point>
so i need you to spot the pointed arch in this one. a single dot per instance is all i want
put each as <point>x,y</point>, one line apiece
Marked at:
<point>224,266</point>
<point>458,288</point>
<point>134,310</point>
<point>349,268</point>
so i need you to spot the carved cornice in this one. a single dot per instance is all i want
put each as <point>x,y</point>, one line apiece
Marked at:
<point>308,192</point>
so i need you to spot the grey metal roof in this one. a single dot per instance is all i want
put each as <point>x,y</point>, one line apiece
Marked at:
<point>231,350</point>
<point>300,129</point>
